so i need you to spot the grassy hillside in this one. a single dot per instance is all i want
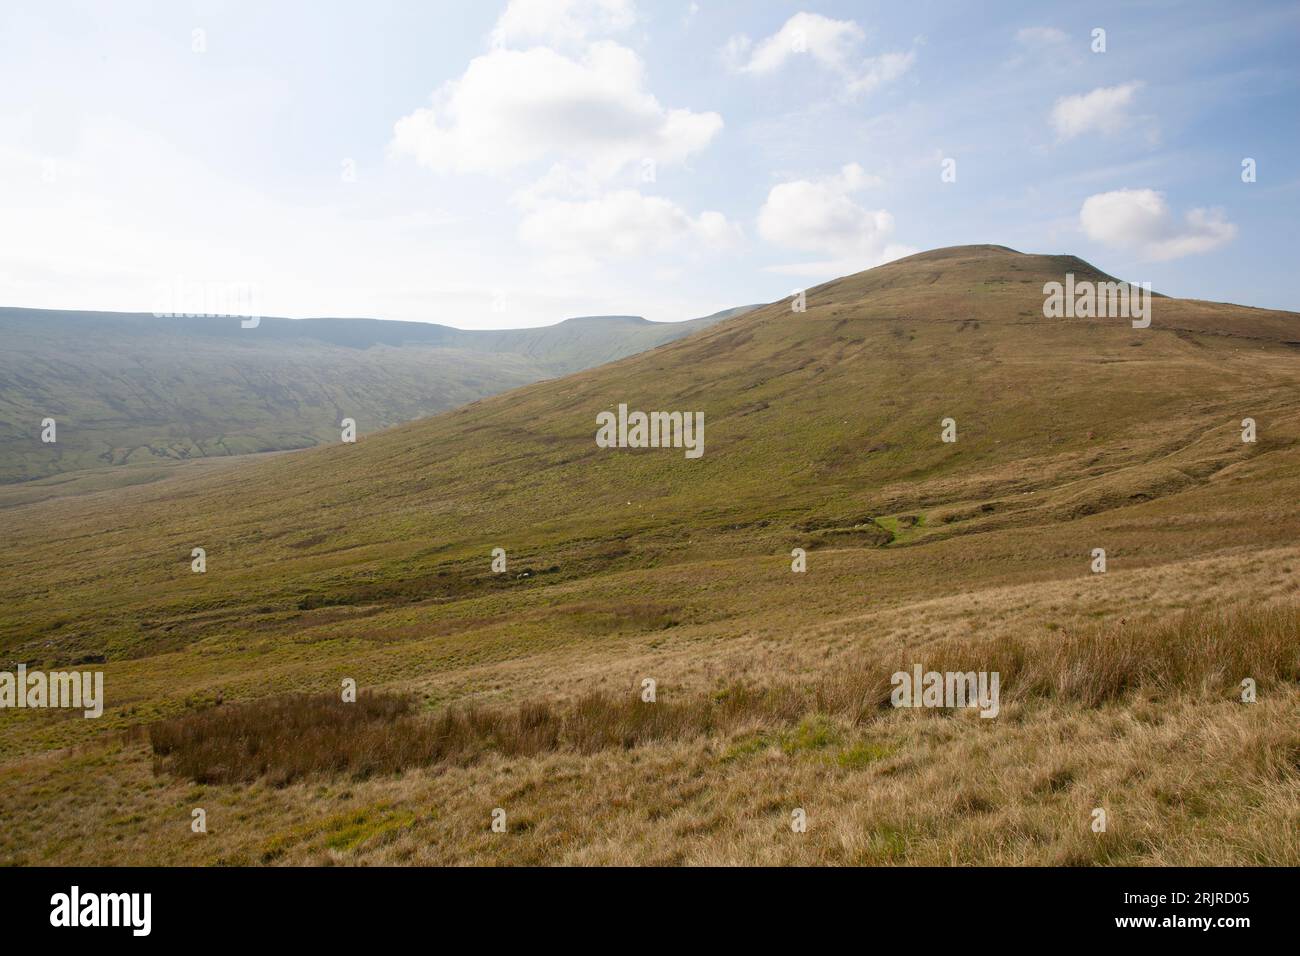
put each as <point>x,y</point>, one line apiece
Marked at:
<point>372,562</point>
<point>135,389</point>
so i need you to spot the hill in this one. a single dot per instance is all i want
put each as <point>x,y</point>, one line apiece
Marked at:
<point>140,390</point>
<point>823,431</point>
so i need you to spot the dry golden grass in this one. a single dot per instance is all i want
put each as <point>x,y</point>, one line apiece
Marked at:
<point>1199,655</point>
<point>1202,652</point>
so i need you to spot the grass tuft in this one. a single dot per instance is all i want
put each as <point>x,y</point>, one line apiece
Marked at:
<point>286,739</point>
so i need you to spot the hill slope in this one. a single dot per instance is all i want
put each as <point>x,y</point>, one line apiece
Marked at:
<point>823,432</point>
<point>132,388</point>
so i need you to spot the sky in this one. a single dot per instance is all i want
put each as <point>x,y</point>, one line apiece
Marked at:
<point>508,164</point>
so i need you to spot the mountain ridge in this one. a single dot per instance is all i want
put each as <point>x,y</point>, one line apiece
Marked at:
<point>134,387</point>
<point>397,331</point>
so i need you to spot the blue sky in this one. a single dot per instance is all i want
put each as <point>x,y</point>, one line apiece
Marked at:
<point>511,164</point>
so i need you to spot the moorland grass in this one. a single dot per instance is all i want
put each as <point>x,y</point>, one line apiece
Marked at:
<point>288,738</point>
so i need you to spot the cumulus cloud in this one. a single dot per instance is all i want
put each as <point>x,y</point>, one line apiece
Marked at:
<point>552,90</point>
<point>829,42</point>
<point>621,224</point>
<point>1139,219</point>
<point>514,107</point>
<point>832,44</point>
<point>561,22</point>
<point>1104,110</point>
<point>821,217</point>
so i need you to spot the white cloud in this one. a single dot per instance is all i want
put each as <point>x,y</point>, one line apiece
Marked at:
<point>876,71</point>
<point>829,42</point>
<point>820,217</point>
<point>620,224</point>
<point>1045,49</point>
<point>586,112</point>
<point>833,44</point>
<point>560,22</point>
<point>1103,110</point>
<point>1139,219</point>
<point>1040,36</point>
<point>512,107</point>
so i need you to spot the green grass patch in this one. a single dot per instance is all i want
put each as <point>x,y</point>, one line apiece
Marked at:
<point>864,754</point>
<point>343,831</point>
<point>747,747</point>
<point>814,732</point>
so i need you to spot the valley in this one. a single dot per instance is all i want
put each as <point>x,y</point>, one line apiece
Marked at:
<point>520,691</point>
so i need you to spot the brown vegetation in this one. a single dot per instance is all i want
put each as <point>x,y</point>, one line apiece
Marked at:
<point>285,739</point>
